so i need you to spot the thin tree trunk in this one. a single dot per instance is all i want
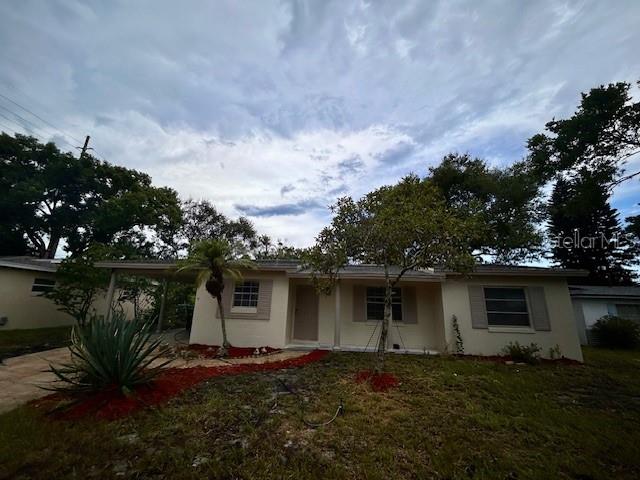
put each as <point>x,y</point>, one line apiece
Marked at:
<point>54,241</point>
<point>225,343</point>
<point>382,344</point>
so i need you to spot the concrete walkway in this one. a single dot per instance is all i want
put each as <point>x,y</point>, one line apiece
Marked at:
<point>21,377</point>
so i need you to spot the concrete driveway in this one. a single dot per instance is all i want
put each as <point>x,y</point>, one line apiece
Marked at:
<point>21,377</point>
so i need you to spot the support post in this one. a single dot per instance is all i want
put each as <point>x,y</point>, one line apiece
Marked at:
<point>163,299</point>
<point>110,293</point>
<point>338,323</point>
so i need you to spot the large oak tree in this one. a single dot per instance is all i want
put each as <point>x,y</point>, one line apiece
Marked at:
<point>506,199</point>
<point>50,196</point>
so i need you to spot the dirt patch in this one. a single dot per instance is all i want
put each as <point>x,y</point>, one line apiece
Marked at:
<point>111,404</point>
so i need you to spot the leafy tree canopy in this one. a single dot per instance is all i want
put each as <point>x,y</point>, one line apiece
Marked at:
<point>202,221</point>
<point>50,196</point>
<point>267,250</point>
<point>404,227</point>
<point>585,230</point>
<point>507,200</point>
<point>602,134</point>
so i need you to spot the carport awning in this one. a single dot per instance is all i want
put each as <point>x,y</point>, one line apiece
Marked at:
<point>155,269</point>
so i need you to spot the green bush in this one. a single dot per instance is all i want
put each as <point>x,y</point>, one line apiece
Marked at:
<point>522,353</point>
<point>114,354</point>
<point>615,332</point>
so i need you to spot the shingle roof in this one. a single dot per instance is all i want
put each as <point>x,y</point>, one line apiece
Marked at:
<point>293,268</point>
<point>604,292</point>
<point>501,269</point>
<point>30,263</point>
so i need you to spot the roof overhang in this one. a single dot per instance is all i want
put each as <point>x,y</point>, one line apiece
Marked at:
<point>169,269</point>
<point>556,272</point>
<point>50,268</point>
<point>408,277</point>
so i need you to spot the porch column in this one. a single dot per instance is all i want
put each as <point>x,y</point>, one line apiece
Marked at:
<point>336,332</point>
<point>110,292</point>
<point>163,299</point>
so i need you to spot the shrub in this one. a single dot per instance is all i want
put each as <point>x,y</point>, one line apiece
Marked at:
<point>522,353</point>
<point>456,332</point>
<point>114,354</point>
<point>615,332</point>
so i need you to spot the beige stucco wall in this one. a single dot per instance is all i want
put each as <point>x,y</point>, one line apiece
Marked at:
<point>30,310</point>
<point>23,308</point>
<point>455,300</point>
<point>206,328</point>
<point>426,334</point>
<point>435,305</point>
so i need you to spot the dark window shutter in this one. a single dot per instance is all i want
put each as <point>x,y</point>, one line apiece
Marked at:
<point>538,309</point>
<point>359,303</point>
<point>264,299</point>
<point>478,307</point>
<point>409,309</point>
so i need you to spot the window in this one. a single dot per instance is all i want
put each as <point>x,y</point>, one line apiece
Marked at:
<point>41,285</point>
<point>375,304</point>
<point>506,307</point>
<point>629,310</point>
<point>246,294</point>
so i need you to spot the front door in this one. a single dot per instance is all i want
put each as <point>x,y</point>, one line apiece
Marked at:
<point>305,323</point>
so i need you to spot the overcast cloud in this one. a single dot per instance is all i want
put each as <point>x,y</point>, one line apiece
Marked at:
<point>272,109</point>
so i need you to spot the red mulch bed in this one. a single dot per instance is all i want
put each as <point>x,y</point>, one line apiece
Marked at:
<point>112,404</point>
<point>211,351</point>
<point>380,382</point>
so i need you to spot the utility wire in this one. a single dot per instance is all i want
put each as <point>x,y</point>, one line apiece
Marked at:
<point>33,125</point>
<point>41,119</point>
<point>64,135</point>
<point>21,128</point>
<point>9,129</point>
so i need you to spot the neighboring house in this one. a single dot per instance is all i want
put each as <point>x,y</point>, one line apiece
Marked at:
<point>23,280</point>
<point>277,306</point>
<point>591,303</point>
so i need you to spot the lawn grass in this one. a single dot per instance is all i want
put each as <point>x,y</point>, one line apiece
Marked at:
<point>19,342</point>
<point>449,418</point>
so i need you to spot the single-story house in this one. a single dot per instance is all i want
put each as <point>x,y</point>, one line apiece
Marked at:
<point>277,306</point>
<point>591,303</point>
<point>23,280</point>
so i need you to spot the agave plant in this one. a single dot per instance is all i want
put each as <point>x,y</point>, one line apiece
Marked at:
<point>110,354</point>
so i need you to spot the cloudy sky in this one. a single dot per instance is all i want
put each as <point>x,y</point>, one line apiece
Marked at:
<point>272,109</point>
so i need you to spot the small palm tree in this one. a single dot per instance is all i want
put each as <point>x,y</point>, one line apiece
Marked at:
<point>213,260</point>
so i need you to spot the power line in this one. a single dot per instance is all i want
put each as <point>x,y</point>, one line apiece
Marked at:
<point>41,119</point>
<point>33,125</point>
<point>21,127</point>
<point>61,132</point>
<point>9,129</point>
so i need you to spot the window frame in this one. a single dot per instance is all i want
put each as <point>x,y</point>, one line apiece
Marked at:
<point>398,303</point>
<point>248,299</point>
<point>42,285</point>
<point>526,314</point>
